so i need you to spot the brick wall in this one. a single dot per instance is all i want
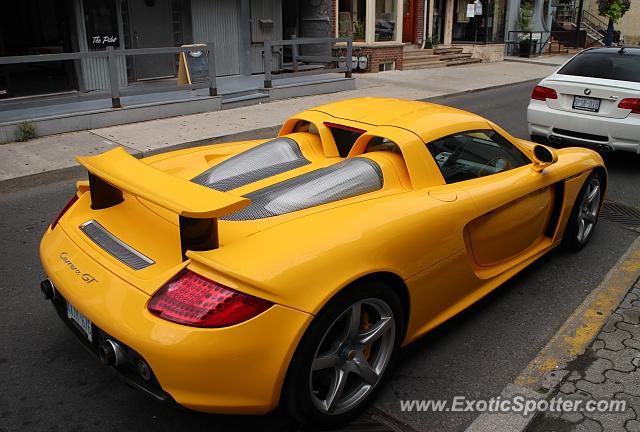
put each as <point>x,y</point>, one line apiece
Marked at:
<point>379,55</point>
<point>376,55</point>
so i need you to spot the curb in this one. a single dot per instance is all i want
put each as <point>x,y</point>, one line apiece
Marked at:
<point>72,172</point>
<point>535,62</point>
<point>570,341</point>
<point>479,89</point>
<point>63,174</point>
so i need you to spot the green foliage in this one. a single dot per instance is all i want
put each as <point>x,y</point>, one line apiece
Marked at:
<point>428,43</point>
<point>358,30</point>
<point>25,131</point>
<point>525,16</point>
<point>613,9</point>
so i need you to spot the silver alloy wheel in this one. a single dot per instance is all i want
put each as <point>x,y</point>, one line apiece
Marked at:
<point>352,356</point>
<point>589,208</point>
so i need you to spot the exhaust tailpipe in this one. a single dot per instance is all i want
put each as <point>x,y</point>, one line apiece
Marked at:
<point>111,353</point>
<point>47,289</point>
<point>555,140</point>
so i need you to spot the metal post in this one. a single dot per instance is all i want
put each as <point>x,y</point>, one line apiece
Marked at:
<point>530,42</point>
<point>211,62</point>
<point>267,64</point>
<point>294,53</point>
<point>579,22</point>
<point>113,78</point>
<point>347,73</point>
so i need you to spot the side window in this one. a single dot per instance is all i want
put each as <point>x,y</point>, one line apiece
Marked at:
<point>382,144</point>
<point>305,126</point>
<point>470,155</point>
<point>344,136</point>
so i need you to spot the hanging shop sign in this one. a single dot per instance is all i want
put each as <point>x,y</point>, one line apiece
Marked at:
<point>477,7</point>
<point>471,10</point>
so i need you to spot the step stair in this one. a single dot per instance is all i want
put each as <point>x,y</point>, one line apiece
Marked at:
<point>416,58</point>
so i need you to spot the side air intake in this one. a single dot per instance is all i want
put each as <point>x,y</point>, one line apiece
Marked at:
<point>345,179</point>
<point>263,161</point>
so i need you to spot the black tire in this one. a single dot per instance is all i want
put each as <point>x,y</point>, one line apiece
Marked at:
<point>297,399</point>
<point>572,240</point>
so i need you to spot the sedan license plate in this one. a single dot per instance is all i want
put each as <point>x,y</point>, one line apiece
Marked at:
<point>586,103</point>
<point>82,321</point>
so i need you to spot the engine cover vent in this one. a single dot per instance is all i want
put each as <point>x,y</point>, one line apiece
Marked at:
<point>261,162</point>
<point>345,179</point>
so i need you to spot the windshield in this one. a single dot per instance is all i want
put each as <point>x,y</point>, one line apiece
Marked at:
<point>608,65</point>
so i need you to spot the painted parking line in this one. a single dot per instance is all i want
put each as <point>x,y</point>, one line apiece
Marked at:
<point>570,341</point>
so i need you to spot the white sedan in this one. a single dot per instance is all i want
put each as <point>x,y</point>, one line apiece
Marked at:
<point>592,101</point>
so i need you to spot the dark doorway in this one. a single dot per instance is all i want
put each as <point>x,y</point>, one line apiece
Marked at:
<point>151,26</point>
<point>308,19</point>
<point>30,27</point>
<point>439,10</point>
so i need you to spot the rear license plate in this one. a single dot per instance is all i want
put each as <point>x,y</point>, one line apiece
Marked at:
<point>586,103</point>
<point>82,321</point>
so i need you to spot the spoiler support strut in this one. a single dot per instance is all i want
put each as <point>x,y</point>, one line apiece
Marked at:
<point>198,208</point>
<point>198,234</point>
<point>103,195</point>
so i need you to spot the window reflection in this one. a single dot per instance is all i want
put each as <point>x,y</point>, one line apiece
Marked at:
<point>352,16</point>
<point>386,20</point>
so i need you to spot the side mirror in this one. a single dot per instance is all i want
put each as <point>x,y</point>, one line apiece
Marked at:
<point>543,156</point>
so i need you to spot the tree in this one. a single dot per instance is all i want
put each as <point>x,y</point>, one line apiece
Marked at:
<point>614,10</point>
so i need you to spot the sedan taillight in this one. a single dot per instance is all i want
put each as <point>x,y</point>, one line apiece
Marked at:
<point>543,93</point>
<point>196,301</point>
<point>66,207</point>
<point>630,103</point>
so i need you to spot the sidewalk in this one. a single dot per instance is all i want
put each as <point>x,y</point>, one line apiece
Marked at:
<point>57,151</point>
<point>609,369</point>
<point>593,358</point>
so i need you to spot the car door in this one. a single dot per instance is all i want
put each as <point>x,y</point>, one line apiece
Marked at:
<point>513,203</point>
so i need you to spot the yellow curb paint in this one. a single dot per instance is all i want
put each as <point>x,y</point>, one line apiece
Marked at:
<point>585,322</point>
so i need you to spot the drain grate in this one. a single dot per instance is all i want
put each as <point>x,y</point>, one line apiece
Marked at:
<point>623,214</point>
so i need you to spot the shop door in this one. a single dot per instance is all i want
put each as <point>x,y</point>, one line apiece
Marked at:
<point>407,20</point>
<point>151,27</point>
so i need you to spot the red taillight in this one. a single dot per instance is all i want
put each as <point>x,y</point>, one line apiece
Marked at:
<point>632,104</point>
<point>543,93</point>
<point>66,207</point>
<point>193,300</point>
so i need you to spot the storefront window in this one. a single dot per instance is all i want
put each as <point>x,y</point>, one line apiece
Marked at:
<point>352,16</point>
<point>386,20</point>
<point>479,21</point>
<point>102,23</point>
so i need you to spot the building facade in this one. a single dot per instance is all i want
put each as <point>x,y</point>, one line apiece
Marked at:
<point>237,28</point>
<point>380,29</point>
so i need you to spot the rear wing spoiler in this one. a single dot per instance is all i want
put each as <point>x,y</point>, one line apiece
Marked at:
<point>197,207</point>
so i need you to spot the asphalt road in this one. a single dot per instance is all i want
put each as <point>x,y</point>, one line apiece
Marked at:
<point>48,382</point>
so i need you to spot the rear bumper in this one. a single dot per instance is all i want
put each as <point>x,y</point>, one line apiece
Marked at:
<point>235,370</point>
<point>584,130</point>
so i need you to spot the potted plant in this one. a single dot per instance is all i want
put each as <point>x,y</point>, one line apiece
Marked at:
<point>527,45</point>
<point>614,10</point>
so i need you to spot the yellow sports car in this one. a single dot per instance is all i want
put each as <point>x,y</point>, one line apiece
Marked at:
<point>235,278</point>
